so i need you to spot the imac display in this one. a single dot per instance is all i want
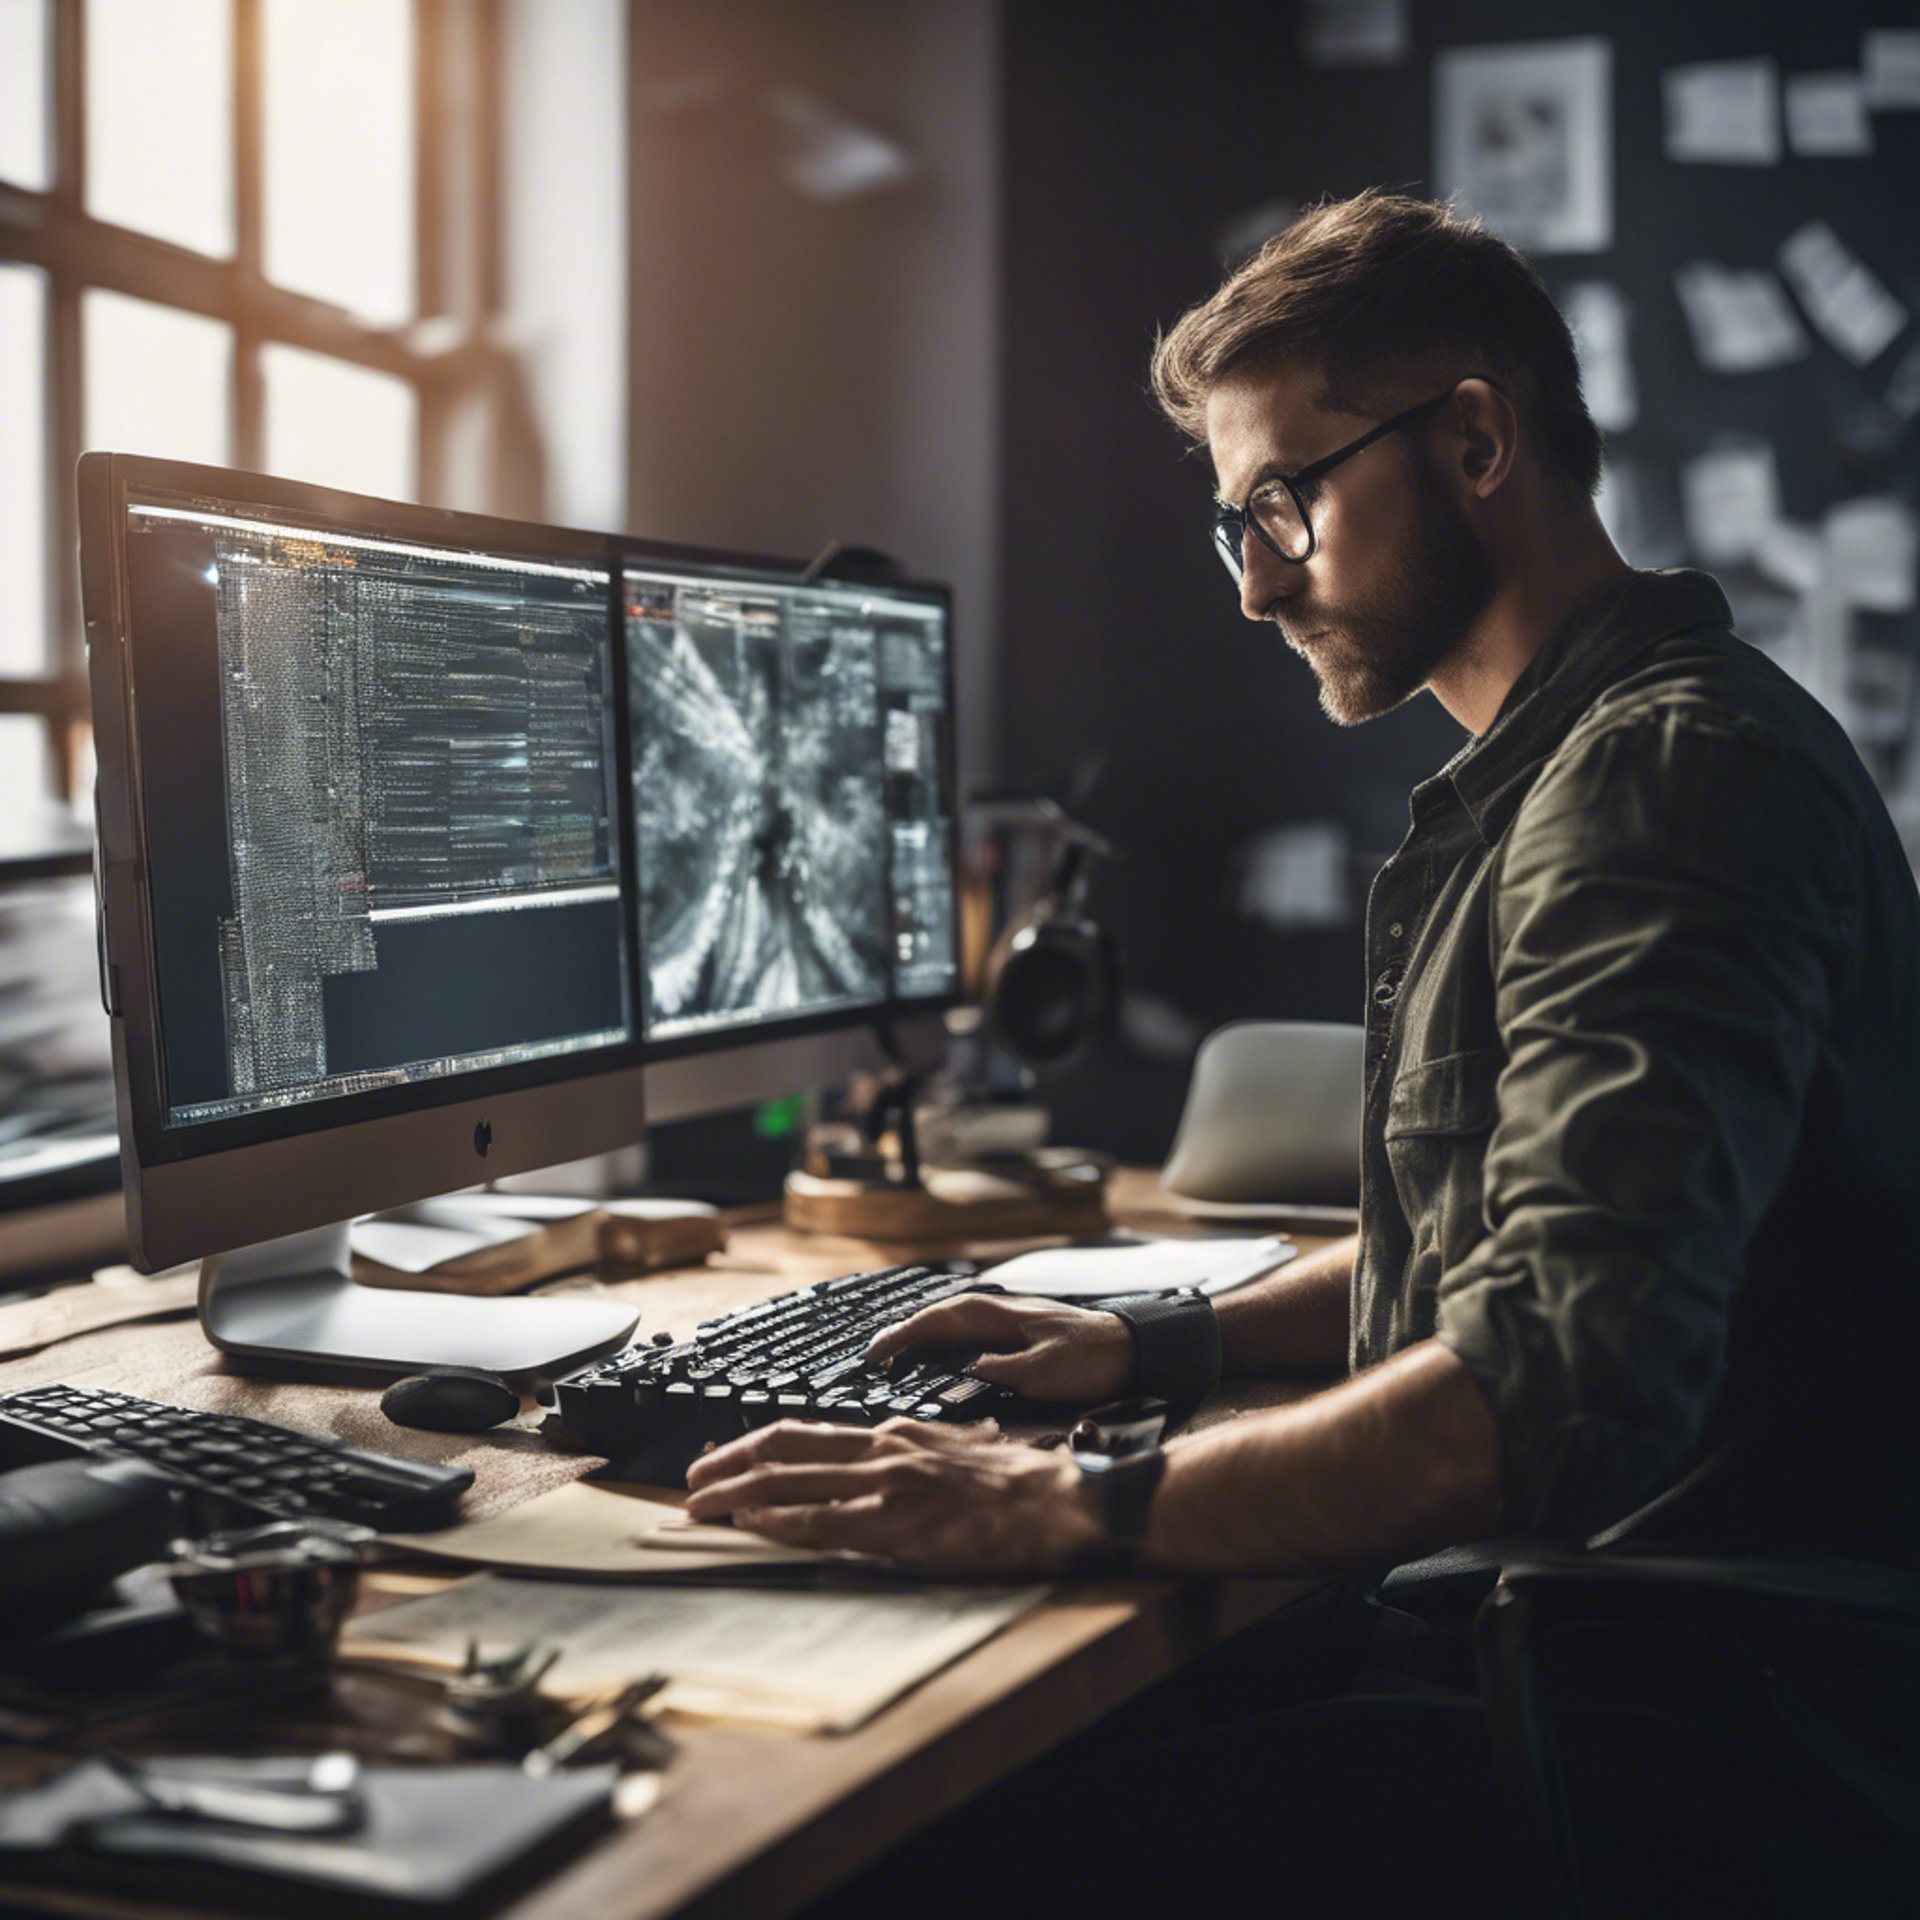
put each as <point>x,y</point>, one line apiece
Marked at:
<point>381,798</point>
<point>790,798</point>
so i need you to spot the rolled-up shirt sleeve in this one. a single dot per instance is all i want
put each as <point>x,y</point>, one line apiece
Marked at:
<point>1671,922</point>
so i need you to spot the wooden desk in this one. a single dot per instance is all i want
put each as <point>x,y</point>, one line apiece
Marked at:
<point>751,1823</point>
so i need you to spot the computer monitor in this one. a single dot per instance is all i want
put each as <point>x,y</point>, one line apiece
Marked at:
<point>365,868</point>
<point>793,799</point>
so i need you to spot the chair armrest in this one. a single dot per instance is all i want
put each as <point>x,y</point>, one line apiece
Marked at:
<point>1567,1583</point>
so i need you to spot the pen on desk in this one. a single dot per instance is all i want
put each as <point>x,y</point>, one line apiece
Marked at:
<point>594,1724</point>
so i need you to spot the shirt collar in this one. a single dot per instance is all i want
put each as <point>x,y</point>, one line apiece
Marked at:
<point>1590,647</point>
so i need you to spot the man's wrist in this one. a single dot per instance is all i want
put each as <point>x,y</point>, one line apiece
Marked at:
<point>1117,1489</point>
<point>1176,1345</point>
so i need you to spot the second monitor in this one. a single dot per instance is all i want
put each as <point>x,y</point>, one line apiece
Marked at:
<point>791,761</point>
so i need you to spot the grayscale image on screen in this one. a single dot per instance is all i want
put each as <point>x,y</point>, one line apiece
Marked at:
<point>788,799</point>
<point>403,860</point>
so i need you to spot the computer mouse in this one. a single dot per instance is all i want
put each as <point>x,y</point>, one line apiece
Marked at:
<point>450,1400</point>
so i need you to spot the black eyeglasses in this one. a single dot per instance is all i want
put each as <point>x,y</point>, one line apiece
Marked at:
<point>1276,511</point>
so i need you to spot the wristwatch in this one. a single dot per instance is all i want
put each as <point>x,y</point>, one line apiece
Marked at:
<point>1117,1449</point>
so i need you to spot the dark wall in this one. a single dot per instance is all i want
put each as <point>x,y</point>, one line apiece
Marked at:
<point>1134,134</point>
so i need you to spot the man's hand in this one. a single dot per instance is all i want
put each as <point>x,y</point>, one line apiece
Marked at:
<point>926,1496</point>
<point>1039,1348</point>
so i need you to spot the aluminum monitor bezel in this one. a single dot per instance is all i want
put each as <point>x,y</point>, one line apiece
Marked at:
<point>217,1185</point>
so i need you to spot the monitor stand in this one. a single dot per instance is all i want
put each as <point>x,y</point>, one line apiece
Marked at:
<point>296,1299</point>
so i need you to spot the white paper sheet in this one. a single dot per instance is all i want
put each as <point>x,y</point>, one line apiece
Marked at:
<point>1792,555</point>
<point>1881,695</point>
<point>1598,313</point>
<point>1156,1266</point>
<point>1903,384</point>
<point>1640,514</point>
<point>1871,548</point>
<point>1296,876</point>
<point>1731,498</point>
<point>1741,319</point>
<point>803,1659</point>
<point>1724,111</point>
<point>1827,114</point>
<point>1524,135</point>
<point>1354,33</point>
<point>1843,297</point>
<point>1890,59</point>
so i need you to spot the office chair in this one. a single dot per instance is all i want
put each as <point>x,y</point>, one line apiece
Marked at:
<point>1521,1591</point>
<point>1543,1589</point>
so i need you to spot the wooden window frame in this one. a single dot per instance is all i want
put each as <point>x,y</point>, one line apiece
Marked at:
<point>443,354</point>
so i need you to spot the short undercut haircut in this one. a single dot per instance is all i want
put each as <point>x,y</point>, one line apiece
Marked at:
<point>1387,298</point>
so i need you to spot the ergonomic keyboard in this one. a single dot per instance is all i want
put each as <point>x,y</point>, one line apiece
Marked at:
<point>652,1409</point>
<point>246,1465</point>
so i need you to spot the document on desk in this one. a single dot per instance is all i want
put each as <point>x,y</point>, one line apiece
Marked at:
<point>1214,1265</point>
<point>810,1662</point>
<point>609,1530</point>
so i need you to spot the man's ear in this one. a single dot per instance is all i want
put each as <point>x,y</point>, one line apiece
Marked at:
<point>1488,430</point>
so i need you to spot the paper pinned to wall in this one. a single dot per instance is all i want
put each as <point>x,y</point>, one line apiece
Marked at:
<point>1355,33</point>
<point>1640,512</point>
<point>1725,112</point>
<point>1890,60</point>
<point>1598,313</point>
<point>1827,114</point>
<point>1524,135</point>
<point>1903,389</point>
<point>1731,498</point>
<point>1843,297</point>
<point>1296,877</point>
<point>1792,555</point>
<point>1740,318</point>
<point>1871,551</point>
<point>1880,695</point>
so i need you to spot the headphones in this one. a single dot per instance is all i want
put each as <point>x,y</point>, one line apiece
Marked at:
<point>1053,981</point>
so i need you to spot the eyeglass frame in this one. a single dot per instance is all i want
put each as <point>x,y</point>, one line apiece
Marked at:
<point>1229,518</point>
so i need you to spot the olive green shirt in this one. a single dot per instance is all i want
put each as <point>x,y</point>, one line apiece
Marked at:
<point>1642,1136</point>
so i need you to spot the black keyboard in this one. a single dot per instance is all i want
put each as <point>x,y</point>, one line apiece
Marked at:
<point>651,1409</point>
<point>245,1466</point>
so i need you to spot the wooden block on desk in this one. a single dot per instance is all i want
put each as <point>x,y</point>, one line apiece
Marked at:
<point>1061,1194</point>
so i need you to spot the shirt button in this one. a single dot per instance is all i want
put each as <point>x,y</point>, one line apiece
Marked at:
<point>1385,990</point>
<point>1395,931</point>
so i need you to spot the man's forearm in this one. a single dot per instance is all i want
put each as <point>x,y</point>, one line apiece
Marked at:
<point>1397,1462</point>
<point>1295,1321</point>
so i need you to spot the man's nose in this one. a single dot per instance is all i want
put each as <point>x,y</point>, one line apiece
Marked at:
<point>1265,578</point>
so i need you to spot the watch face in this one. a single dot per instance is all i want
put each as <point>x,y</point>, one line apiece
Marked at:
<point>1123,1427</point>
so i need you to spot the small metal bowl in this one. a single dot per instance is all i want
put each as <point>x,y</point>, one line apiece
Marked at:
<point>277,1590</point>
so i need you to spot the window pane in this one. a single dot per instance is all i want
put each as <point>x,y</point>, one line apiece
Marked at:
<point>155,380</point>
<point>23,474</point>
<point>160,118</point>
<point>26,806</point>
<point>26,84</point>
<point>339,129</point>
<point>339,425</point>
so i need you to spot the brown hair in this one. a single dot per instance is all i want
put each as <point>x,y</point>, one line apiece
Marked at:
<point>1381,294</point>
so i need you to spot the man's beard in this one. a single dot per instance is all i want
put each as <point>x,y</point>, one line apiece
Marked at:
<point>1371,657</point>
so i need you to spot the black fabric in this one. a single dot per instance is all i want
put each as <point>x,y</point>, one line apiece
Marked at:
<point>1239,1789</point>
<point>1643,1092</point>
<point>1176,1345</point>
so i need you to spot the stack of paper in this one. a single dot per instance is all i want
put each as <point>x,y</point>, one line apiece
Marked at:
<point>810,1662</point>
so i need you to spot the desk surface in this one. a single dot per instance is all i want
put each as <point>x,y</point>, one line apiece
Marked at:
<point>754,1823</point>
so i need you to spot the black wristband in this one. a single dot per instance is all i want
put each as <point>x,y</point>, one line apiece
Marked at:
<point>1176,1345</point>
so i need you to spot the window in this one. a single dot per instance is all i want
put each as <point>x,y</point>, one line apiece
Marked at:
<point>255,233</point>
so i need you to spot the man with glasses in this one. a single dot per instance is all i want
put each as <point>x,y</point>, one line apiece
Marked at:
<point>1641,1149</point>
